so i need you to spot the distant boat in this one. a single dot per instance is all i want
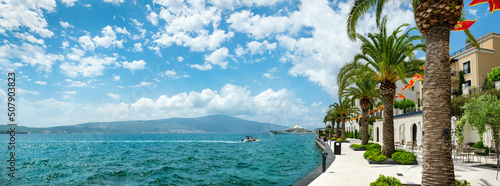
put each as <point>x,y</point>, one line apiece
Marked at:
<point>250,139</point>
<point>297,129</point>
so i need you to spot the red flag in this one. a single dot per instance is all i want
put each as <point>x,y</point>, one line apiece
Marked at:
<point>494,5</point>
<point>422,67</point>
<point>401,96</point>
<point>409,85</point>
<point>418,77</point>
<point>464,25</point>
<point>476,2</point>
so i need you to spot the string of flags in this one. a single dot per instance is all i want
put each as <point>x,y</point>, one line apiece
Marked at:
<point>464,25</point>
<point>416,77</point>
<point>379,108</point>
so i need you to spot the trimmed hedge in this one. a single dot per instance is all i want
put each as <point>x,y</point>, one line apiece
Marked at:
<point>480,145</point>
<point>371,145</point>
<point>357,146</point>
<point>375,155</point>
<point>386,180</point>
<point>404,157</point>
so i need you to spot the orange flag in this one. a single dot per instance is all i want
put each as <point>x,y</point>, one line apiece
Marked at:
<point>418,77</point>
<point>423,66</point>
<point>401,96</point>
<point>464,25</point>
<point>409,85</point>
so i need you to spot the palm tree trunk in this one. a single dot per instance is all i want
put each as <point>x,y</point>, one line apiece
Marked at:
<point>388,126</point>
<point>437,160</point>
<point>388,90</point>
<point>364,133</point>
<point>343,126</point>
<point>337,133</point>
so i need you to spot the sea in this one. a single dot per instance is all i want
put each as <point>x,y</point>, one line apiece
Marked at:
<point>159,159</point>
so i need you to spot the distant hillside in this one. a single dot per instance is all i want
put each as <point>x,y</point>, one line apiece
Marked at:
<point>206,124</point>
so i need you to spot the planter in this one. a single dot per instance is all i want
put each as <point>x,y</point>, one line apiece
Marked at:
<point>360,149</point>
<point>390,162</point>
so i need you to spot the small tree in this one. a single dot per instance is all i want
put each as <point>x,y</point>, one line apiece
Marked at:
<point>495,74</point>
<point>461,81</point>
<point>484,111</point>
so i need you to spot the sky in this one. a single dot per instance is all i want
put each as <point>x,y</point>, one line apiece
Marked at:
<point>273,61</point>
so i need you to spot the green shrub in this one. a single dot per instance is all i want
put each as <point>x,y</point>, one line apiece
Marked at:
<point>372,145</point>
<point>386,180</point>
<point>357,146</point>
<point>461,183</point>
<point>400,150</point>
<point>404,157</point>
<point>480,145</point>
<point>495,74</point>
<point>375,155</point>
<point>370,152</point>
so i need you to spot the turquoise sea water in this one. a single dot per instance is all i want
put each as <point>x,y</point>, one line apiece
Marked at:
<point>153,159</point>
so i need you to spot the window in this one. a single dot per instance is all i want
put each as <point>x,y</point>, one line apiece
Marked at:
<point>466,67</point>
<point>468,83</point>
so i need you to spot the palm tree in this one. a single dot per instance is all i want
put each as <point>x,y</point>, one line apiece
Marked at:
<point>333,115</point>
<point>345,108</point>
<point>364,91</point>
<point>435,19</point>
<point>386,59</point>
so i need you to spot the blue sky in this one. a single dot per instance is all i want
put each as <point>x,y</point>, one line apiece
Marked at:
<point>108,60</point>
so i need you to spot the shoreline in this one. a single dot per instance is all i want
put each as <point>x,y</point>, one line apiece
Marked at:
<point>306,180</point>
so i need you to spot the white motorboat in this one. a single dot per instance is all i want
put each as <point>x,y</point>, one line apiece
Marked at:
<point>250,139</point>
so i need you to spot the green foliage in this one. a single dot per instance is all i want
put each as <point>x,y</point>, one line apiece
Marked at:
<point>396,104</point>
<point>488,84</point>
<point>356,135</point>
<point>370,152</point>
<point>386,180</point>
<point>495,74</point>
<point>357,146</point>
<point>457,103</point>
<point>404,157</point>
<point>373,146</point>
<point>460,128</point>
<point>374,154</point>
<point>461,81</point>
<point>461,183</point>
<point>480,145</point>
<point>483,110</point>
<point>400,150</point>
<point>406,105</point>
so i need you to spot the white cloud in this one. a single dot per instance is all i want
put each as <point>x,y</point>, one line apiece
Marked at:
<point>116,78</point>
<point>41,82</point>
<point>65,24</point>
<point>69,3</point>
<point>29,14</point>
<point>172,74</point>
<point>257,26</point>
<point>87,67</point>
<point>134,65</point>
<point>64,44</point>
<point>180,59</point>
<point>72,83</point>
<point>28,37</point>
<point>314,105</point>
<point>68,94</point>
<point>115,2</point>
<point>23,91</point>
<point>137,47</point>
<point>33,55</point>
<point>75,54</point>
<point>472,11</point>
<point>268,75</point>
<point>86,42</point>
<point>142,84</point>
<point>108,39</point>
<point>218,57</point>
<point>280,107</point>
<point>114,96</point>
<point>153,18</point>
<point>256,47</point>
<point>239,51</point>
<point>203,67</point>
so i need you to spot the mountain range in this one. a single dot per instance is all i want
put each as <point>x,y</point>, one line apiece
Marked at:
<point>205,124</point>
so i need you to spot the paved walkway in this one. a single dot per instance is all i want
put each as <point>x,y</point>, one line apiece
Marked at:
<point>350,168</point>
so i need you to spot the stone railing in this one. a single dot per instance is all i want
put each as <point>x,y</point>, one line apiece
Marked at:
<point>497,85</point>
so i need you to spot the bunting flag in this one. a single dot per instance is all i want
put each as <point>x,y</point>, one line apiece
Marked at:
<point>494,4</point>
<point>401,96</point>
<point>423,66</point>
<point>418,77</point>
<point>476,2</point>
<point>412,82</point>
<point>464,25</point>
